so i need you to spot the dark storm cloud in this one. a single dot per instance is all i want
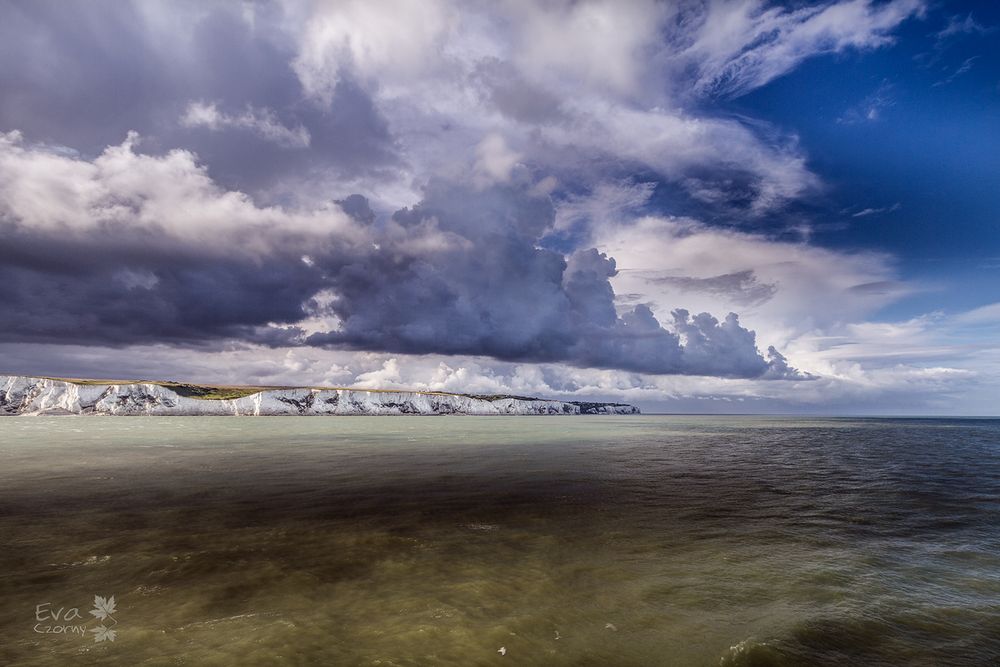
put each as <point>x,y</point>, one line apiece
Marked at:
<point>131,248</point>
<point>487,288</point>
<point>143,287</point>
<point>84,74</point>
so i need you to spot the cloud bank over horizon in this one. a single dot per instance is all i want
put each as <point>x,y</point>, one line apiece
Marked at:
<point>157,252</point>
<point>542,198</point>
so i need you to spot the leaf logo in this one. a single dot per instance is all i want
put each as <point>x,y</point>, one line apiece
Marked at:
<point>102,633</point>
<point>104,609</point>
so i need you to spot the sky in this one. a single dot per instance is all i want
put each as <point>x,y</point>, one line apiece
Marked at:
<point>720,206</point>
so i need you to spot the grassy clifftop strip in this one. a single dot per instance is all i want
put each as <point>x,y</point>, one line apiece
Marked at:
<point>209,392</point>
<point>220,392</point>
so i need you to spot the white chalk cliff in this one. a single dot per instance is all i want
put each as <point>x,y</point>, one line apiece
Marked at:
<point>20,395</point>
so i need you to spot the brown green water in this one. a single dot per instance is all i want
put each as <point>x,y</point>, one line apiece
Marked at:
<point>600,541</point>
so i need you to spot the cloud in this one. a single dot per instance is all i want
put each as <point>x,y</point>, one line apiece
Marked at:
<point>487,288</point>
<point>262,122</point>
<point>872,107</point>
<point>741,287</point>
<point>504,88</point>
<point>607,202</point>
<point>742,45</point>
<point>595,46</point>
<point>955,29</point>
<point>988,314</point>
<point>382,98</point>
<point>962,25</point>
<point>126,192</point>
<point>713,269</point>
<point>131,247</point>
<point>494,160</point>
<point>580,90</point>
<point>959,71</point>
<point>599,45</point>
<point>679,147</point>
<point>603,46</point>
<point>388,42</point>
<point>865,212</point>
<point>88,73</point>
<point>160,253</point>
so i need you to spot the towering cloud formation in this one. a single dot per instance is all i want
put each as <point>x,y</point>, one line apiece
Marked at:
<point>135,248</point>
<point>463,272</point>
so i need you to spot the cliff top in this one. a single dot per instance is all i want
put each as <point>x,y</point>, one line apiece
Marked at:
<point>232,391</point>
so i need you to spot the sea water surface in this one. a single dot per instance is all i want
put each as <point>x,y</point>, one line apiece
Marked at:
<point>604,541</point>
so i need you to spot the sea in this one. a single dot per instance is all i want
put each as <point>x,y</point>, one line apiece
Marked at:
<point>578,541</point>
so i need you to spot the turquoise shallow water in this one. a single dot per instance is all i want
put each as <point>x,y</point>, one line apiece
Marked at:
<point>653,540</point>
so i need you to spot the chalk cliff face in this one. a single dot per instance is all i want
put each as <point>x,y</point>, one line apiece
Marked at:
<point>21,395</point>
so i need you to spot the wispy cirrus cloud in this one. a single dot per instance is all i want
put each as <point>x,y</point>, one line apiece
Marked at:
<point>962,25</point>
<point>736,47</point>
<point>872,107</point>
<point>865,212</point>
<point>959,71</point>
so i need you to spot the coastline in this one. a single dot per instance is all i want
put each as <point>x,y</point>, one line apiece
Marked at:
<point>27,395</point>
